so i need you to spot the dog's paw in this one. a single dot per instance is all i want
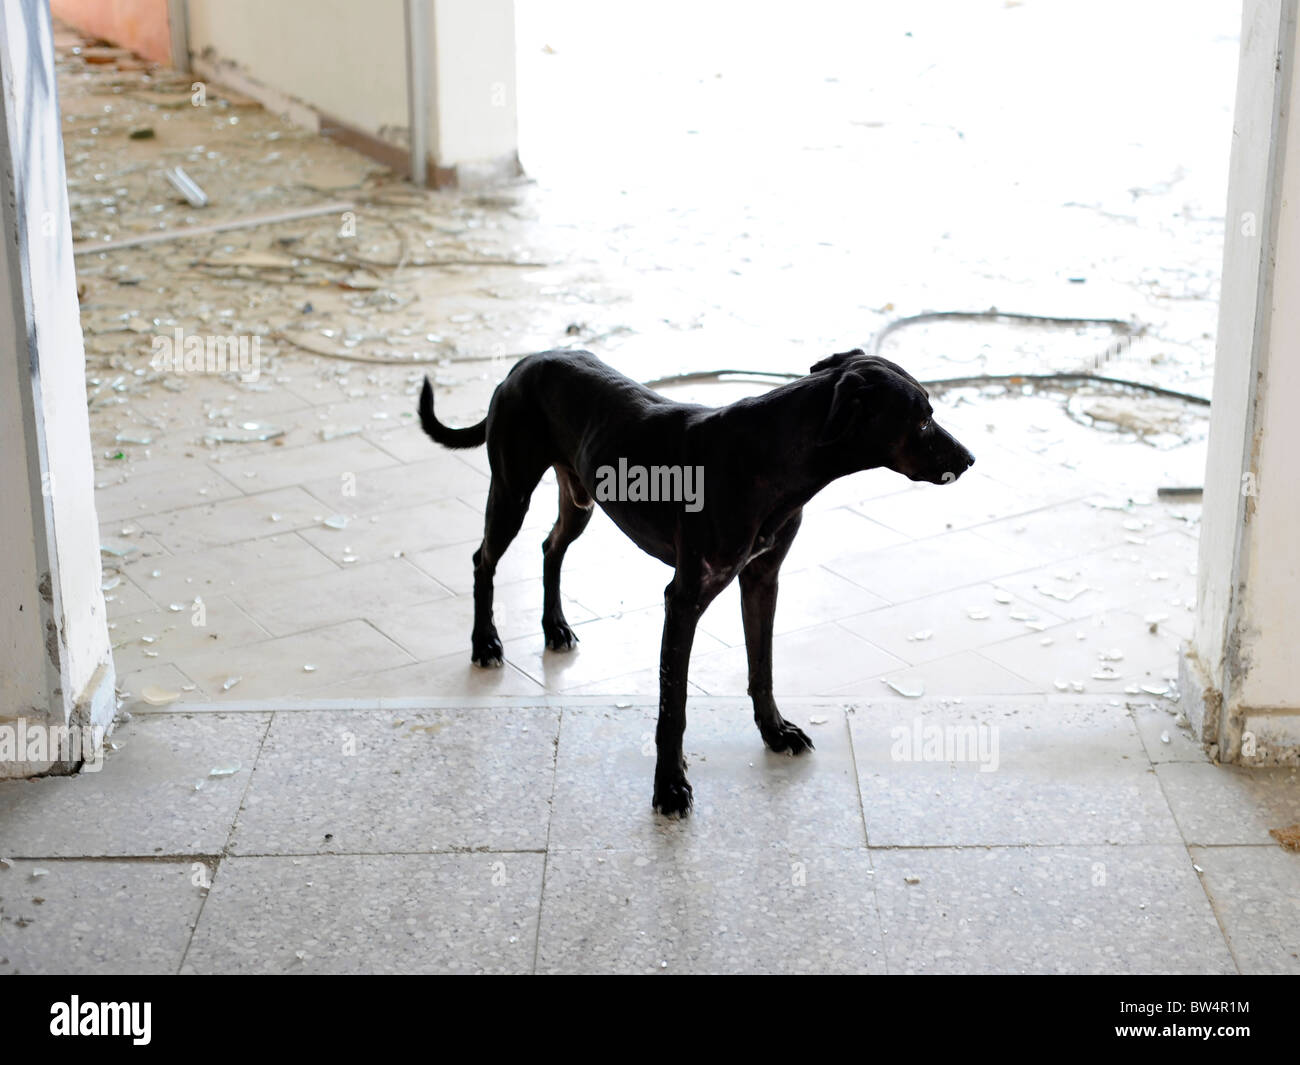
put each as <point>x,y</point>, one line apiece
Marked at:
<point>673,798</point>
<point>487,652</point>
<point>559,637</point>
<point>787,737</point>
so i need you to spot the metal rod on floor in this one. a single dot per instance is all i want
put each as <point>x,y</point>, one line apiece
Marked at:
<point>417,87</point>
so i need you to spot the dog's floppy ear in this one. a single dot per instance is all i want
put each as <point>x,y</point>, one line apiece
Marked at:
<point>832,361</point>
<point>846,406</point>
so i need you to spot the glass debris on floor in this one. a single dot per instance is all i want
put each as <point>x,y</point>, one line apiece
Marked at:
<point>220,223</point>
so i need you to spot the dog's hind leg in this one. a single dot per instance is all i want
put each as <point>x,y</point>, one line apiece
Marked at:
<point>758,584</point>
<point>575,511</point>
<point>506,508</point>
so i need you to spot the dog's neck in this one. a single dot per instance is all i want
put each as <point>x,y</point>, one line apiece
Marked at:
<point>796,464</point>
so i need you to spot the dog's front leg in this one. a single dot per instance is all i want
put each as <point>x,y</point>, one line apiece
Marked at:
<point>682,609</point>
<point>758,584</point>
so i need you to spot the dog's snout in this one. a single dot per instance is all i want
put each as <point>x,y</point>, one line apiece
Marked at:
<point>965,460</point>
<point>958,462</point>
<point>959,456</point>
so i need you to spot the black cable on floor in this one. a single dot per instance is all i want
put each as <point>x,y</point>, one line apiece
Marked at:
<point>1128,330</point>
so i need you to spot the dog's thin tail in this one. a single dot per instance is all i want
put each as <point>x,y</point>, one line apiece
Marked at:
<point>474,436</point>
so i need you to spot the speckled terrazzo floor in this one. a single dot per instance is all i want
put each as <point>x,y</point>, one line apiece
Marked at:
<point>1023,834</point>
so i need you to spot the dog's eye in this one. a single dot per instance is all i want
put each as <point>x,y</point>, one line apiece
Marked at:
<point>924,425</point>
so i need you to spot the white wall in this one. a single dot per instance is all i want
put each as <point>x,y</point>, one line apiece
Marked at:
<point>347,60</point>
<point>1244,669</point>
<point>474,114</point>
<point>26,685</point>
<point>1247,231</point>
<point>55,660</point>
<point>1270,613</point>
<point>343,58</point>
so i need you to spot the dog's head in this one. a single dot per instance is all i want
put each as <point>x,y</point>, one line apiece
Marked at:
<point>880,415</point>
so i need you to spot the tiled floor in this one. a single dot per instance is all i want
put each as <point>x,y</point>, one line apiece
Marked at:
<point>1018,834</point>
<point>1028,577</point>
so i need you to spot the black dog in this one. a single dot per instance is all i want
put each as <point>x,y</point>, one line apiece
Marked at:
<point>762,458</point>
